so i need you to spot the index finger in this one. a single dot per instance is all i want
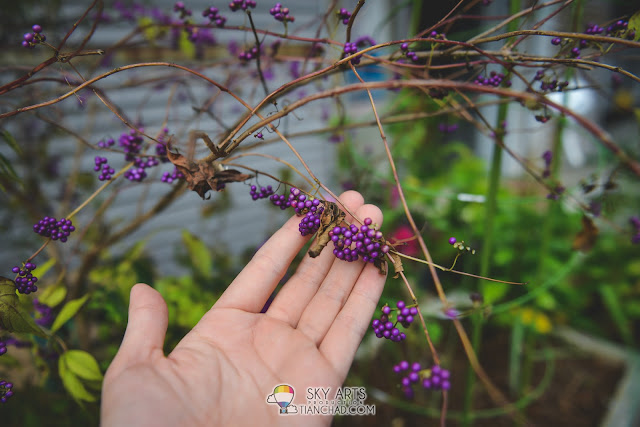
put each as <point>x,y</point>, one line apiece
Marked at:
<point>256,282</point>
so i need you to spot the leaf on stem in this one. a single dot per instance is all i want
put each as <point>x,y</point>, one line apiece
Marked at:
<point>331,217</point>
<point>53,295</point>
<point>397,264</point>
<point>71,381</point>
<point>634,25</point>
<point>203,176</point>
<point>13,317</point>
<point>69,310</point>
<point>83,365</point>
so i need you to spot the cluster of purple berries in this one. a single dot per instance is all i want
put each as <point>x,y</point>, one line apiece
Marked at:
<point>248,55</point>
<point>409,54</point>
<point>281,13</point>
<point>243,5</point>
<point>3,347</point>
<point>552,85</point>
<point>635,223</point>
<point>495,79</point>
<point>180,7</point>
<point>45,312</point>
<point>310,223</point>
<point>434,378</point>
<point>344,15</point>
<point>131,143</point>
<point>102,166</point>
<point>137,172</point>
<point>384,327</point>
<point>161,151</point>
<point>25,281</point>
<point>352,242</point>
<point>363,41</point>
<point>349,49</point>
<point>214,16</point>
<point>106,144</point>
<point>310,207</point>
<point>619,29</point>
<point>262,194</point>
<point>30,40</point>
<point>5,390</point>
<point>173,176</point>
<point>56,229</point>
<point>297,200</point>
<point>547,85</point>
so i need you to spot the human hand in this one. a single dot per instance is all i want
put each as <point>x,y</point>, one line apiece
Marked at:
<point>222,371</point>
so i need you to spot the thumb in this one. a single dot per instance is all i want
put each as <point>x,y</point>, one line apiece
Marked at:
<point>146,327</point>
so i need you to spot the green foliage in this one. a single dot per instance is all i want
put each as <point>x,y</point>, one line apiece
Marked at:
<point>69,310</point>
<point>13,316</point>
<point>198,254</point>
<point>634,24</point>
<point>76,368</point>
<point>83,365</point>
<point>53,295</point>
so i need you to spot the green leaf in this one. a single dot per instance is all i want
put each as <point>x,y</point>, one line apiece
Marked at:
<point>616,311</point>
<point>634,25</point>
<point>83,365</point>
<point>13,317</point>
<point>186,46</point>
<point>44,268</point>
<point>68,311</point>
<point>71,382</point>
<point>53,295</point>
<point>7,170</point>
<point>11,141</point>
<point>198,253</point>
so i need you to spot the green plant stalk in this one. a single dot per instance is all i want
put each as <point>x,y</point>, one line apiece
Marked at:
<point>515,355</point>
<point>527,372</point>
<point>487,247</point>
<point>416,9</point>
<point>553,206</point>
<point>616,311</point>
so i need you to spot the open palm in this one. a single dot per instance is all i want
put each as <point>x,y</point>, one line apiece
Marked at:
<point>223,370</point>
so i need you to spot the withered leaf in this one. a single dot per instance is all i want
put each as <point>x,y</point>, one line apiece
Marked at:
<point>202,176</point>
<point>397,264</point>
<point>381,265</point>
<point>331,217</point>
<point>586,238</point>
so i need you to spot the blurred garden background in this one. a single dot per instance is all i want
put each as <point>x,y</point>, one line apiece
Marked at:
<point>509,125</point>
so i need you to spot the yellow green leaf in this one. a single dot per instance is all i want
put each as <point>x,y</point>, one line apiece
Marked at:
<point>83,365</point>
<point>53,295</point>
<point>71,382</point>
<point>68,311</point>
